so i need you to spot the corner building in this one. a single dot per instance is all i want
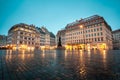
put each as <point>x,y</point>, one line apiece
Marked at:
<point>29,37</point>
<point>23,36</point>
<point>88,33</point>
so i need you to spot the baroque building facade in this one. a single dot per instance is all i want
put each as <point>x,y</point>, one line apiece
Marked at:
<point>27,36</point>
<point>47,39</point>
<point>23,35</point>
<point>89,33</point>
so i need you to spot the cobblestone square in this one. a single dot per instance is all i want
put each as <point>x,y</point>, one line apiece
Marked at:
<point>59,65</point>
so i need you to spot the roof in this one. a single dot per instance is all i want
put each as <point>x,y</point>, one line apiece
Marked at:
<point>83,20</point>
<point>22,25</point>
<point>89,19</point>
<point>40,30</point>
<point>52,35</point>
<point>61,32</point>
<point>116,31</point>
<point>44,29</point>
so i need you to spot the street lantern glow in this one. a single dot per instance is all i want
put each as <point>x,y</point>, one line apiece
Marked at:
<point>81,26</point>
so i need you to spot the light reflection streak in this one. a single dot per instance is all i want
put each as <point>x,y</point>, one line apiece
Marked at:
<point>95,51</point>
<point>23,54</point>
<point>104,54</point>
<point>89,53</point>
<point>8,55</point>
<point>43,53</point>
<point>65,54</point>
<point>104,58</point>
<point>80,51</point>
<point>82,66</point>
<point>81,56</point>
<point>31,55</point>
<point>54,54</point>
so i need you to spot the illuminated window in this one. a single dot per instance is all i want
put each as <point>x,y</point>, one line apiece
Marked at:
<point>21,29</point>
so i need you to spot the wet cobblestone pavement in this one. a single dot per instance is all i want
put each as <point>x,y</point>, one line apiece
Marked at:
<point>59,65</point>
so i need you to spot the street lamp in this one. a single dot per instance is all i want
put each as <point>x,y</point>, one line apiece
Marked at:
<point>82,27</point>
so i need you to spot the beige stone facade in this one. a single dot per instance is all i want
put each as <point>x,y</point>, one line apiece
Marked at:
<point>23,35</point>
<point>28,36</point>
<point>47,39</point>
<point>88,33</point>
<point>116,39</point>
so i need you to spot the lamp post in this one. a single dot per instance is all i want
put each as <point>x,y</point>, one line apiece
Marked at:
<point>81,26</point>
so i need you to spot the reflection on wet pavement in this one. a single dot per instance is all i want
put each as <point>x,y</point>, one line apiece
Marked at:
<point>59,65</point>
